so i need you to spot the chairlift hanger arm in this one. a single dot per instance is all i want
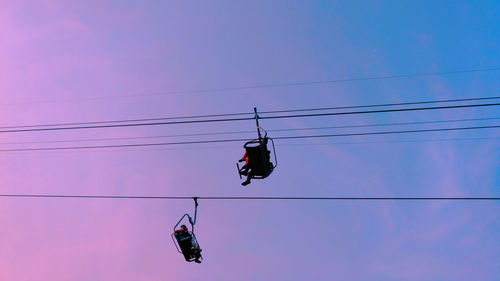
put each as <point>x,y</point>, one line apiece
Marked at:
<point>261,129</point>
<point>175,227</point>
<point>195,211</point>
<point>191,221</point>
<point>257,121</point>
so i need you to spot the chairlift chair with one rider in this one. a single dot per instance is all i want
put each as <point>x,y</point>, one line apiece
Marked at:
<point>259,164</point>
<point>185,241</point>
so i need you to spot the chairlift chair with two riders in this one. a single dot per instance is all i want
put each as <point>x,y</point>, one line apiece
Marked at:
<point>257,156</point>
<point>185,241</point>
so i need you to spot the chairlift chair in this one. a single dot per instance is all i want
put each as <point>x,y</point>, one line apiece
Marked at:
<point>259,157</point>
<point>185,241</point>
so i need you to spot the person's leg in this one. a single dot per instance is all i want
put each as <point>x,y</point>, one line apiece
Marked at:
<point>244,158</point>
<point>249,176</point>
<point>197,254</point>
<point>185,243</point>
<point>244,170</point>
<point>186,252</point>
<point>246,182</point>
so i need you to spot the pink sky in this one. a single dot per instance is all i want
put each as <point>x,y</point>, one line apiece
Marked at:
<point>87,51</point>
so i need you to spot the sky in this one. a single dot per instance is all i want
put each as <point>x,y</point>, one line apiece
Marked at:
<point>78,61</point>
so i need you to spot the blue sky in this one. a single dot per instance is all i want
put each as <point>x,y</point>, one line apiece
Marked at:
<point>88,51</point>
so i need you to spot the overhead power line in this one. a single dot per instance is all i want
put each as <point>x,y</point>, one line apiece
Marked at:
<point>241,197</point>
<point>272,85</point>
<point>242,140</point>
<point>250,118</point>
<point>248,113</point>
<point>253,131</point>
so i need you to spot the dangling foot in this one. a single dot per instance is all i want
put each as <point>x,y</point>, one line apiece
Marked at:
<point>197,261</point>
<point>245,182</point>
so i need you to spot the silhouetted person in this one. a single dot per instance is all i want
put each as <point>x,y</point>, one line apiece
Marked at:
<point>246,169</point>
<point>188,244</point>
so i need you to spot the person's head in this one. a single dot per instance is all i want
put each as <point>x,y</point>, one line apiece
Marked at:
<point>184,228</point>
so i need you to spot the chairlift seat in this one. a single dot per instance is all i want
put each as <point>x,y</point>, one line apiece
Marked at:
<point>259,164</point>
<point>259,158</point>
<point>188,245</point>
<point>184,239</point>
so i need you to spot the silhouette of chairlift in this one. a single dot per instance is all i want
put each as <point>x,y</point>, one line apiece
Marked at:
<point>185,241</point>
<point>259,157</point>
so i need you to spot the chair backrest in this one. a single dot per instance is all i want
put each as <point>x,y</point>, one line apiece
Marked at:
<point>188,245</point>
<point>182,237</point>
<point>258,157</point>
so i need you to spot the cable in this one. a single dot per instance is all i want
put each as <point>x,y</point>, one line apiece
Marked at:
<point>127,125</point>
<point>381,105</point>
<point>240,197</point>
<point>127,120</point>
<point>388,132</point>
<point>290,145</point>
<point>379,111</point>
<point>383,124</point>
<point>253,131</point>
<point>396,141</point>
<point>244,119</point>
<point>242,140</point>
<point>274,85</point>
<point>248,113</point>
